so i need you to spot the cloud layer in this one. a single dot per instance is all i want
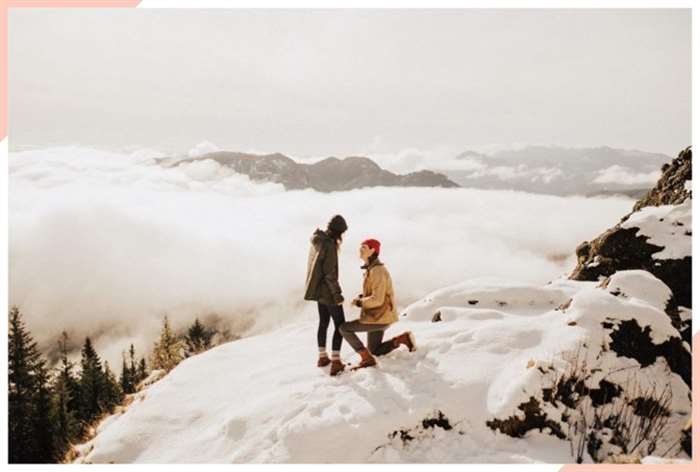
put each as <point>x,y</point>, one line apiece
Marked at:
<point>616,174</point>
<point>105,244</point>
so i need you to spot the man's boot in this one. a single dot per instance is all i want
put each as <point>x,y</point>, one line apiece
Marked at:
<point>406,339</point>
<point>366,361</point>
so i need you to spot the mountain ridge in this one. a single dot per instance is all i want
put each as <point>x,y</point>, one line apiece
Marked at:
<point>601,170</point>
<point>328,175</point>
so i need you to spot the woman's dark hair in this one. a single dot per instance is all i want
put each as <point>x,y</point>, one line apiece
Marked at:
<point>372,258</point>
<point>336,227</point>
<point>335,235</point>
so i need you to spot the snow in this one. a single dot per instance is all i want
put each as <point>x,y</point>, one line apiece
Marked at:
<point>154,376</point>
<point>262,399</point>
<point>641,285</point>
<point>595,263</point>
<point>668,226</point>
<point>205,147</point>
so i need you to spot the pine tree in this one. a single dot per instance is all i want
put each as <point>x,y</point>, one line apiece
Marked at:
<point>132,364</point>
<point>198,338</point>
<point>125,377</point>
<point>167,352</point>
<point>112,394</point>
<point>142,372</point>
<point>29,429</point>
<point>91,383</point>
<point>42,425</point>
<point>65,401</point>
<point>127,381</point>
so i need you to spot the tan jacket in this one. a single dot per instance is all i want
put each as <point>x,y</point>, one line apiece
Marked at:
<point>376,288</point>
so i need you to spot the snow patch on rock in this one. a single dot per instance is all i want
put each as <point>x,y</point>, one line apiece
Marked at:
<point>667,226</point>
<point>641,285</point>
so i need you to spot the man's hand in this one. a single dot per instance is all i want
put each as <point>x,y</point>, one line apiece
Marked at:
<point>357,301</point>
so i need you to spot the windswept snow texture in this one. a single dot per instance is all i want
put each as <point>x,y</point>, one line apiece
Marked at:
<point>261,399</point>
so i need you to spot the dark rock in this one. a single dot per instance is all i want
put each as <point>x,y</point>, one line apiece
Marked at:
<point>670,189</point>
<point>534,418</point>
<point>568,390</point>
<point>605,393</point>
<point>648,407</point>
<point>687,439</point>
<point>439,420</point>
<point>436,317</point>
<point>403,434</point>
<point>630,340</point>
<point>473,302</point>
<point>436,420</point>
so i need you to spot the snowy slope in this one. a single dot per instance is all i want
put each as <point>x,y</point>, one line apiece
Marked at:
<point>261,399</point>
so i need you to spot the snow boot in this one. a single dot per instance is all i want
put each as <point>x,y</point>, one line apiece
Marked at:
<point>407,339</point>
<point>337,367</point>
<point>367,360</point>
<point>323,361</point>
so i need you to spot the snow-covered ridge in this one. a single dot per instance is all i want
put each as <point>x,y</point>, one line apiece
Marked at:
<point>261,399</point>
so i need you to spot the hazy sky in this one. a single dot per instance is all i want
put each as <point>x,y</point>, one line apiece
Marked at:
<point>316,83</point>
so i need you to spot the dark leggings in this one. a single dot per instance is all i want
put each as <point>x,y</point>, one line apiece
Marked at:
<point>375,335</point>
<point>325,313</point>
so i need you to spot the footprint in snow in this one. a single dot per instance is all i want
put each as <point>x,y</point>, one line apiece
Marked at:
<point>317,410</point>
<point>483,316</point>
<point>235,429</point>
<point>293,413</point>
<point>463,338</point>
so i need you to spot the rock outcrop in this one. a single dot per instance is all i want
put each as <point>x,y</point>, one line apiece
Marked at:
<point>626,246</point>
<point>644,261</point>
<point>671,188</point>
<point>625,390</point>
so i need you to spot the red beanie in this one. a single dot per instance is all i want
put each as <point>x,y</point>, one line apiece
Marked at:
<point>373,244</point>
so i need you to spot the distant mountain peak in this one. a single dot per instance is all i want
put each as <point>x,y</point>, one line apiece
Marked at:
<point>601,170</point>
<point>327,175</point>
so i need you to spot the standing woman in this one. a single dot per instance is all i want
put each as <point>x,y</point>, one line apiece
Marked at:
<point>377,310</point>
<point>322,286</point>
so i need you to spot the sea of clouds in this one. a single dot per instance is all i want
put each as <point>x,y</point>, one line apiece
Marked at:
<point>106,243</point>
